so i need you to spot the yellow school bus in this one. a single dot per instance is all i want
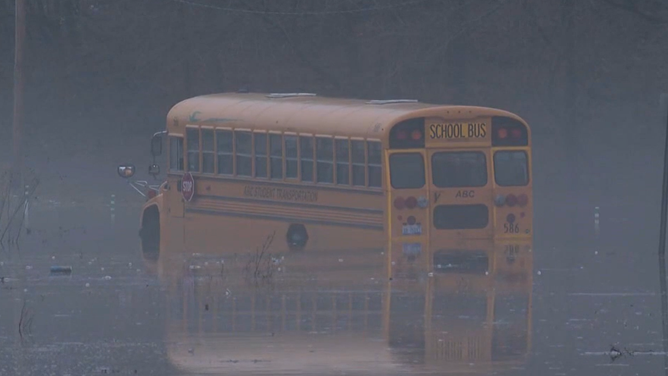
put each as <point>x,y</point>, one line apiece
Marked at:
<point>434,183</point>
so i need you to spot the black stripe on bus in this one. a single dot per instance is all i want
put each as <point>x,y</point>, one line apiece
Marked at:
<point>290,204</point>
<point>364,191</point>
<point>284,219</point>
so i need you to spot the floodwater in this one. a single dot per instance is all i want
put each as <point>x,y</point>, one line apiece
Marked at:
<point>593,310</point>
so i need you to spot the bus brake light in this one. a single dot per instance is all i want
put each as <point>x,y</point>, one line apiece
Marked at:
<point>511,200</point>
<point>522,200</point>
<point>411,202</point>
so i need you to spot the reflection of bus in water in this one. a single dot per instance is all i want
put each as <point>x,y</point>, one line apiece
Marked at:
<point>321,322</point>
<point>434,182</point>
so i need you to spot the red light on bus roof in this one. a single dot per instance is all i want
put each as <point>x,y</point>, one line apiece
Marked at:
<point>411,202</point>
<point>402,135</point>
<point>502,133</point>
<point>416,134</point>
<point>516,133</point>
<point>399,203</point>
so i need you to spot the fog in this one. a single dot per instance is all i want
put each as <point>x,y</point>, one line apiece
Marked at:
<point>100,77</point>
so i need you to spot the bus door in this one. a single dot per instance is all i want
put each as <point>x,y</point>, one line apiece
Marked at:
<point>408,210</point>
<point>461,202</point>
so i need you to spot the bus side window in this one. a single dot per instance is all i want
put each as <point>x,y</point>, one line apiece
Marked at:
<point>244,153</point>
<point>342,162</point>
<point>260,155</point>
<point>208,154</point>
<point>276,156</point>
<point>291,157</point>
<point>225,150</point>
<point>306,149</point>
<point>325,166</point>
<point>192,135</point>
<point>176,153</point>
<point>373,166</point>
<point>359,162</point>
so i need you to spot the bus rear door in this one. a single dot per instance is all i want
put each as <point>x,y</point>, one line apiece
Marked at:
<point>461,230</point>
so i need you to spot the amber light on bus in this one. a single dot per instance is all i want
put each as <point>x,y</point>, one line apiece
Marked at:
<point>508,132</point>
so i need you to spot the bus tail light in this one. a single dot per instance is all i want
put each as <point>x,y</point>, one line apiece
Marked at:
<point>411,202</point>
<point>511,200</point>
<point>399,203</point>
<point>522,200</point>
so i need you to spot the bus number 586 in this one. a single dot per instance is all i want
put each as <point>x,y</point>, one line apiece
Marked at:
<point>511,228</point>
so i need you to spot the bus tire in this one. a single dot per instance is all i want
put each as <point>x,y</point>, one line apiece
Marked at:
<point>150,233</point>
<point>296,237</point>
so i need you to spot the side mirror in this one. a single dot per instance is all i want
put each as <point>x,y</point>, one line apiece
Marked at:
<point>154,170</point>
<point>156,145</point>
<point>126,171</point>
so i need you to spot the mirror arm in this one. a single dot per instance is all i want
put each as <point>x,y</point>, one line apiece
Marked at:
<point>160,133</point>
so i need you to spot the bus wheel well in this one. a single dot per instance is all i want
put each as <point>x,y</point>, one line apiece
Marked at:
<point>297,236</point>
<point>150,233</point>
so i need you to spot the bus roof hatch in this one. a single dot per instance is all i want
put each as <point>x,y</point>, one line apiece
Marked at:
<point>391,101</point>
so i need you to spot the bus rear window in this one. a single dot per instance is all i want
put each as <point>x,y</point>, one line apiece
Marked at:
<point>407,170</point>
<point>459,169</point>
<point>511,168</point>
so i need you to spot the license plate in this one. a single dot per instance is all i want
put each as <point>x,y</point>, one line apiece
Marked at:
<point>411,229</point>
<point>412,249</point>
